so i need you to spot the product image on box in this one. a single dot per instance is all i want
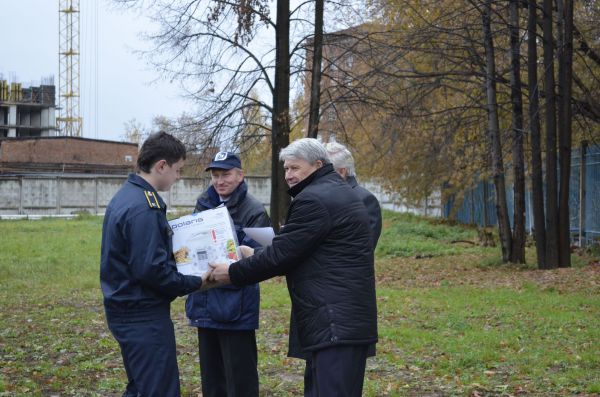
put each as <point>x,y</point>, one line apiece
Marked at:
<point>203,237</point>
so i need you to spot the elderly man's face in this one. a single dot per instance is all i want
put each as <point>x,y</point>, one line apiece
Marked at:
<point>297,170</point>
<point>343,172</point>
<point>226,181</point>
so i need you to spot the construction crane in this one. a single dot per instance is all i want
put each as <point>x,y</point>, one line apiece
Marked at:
<point>69,121</point>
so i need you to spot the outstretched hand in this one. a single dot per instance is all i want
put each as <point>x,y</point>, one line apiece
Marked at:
<point>209,281</point>
<point>246,251</point>
<point>219,273</point>
<point>206,283</point>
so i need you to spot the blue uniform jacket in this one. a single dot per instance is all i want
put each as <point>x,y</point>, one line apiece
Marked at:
<point>230,307</point>
<point>137,269</point>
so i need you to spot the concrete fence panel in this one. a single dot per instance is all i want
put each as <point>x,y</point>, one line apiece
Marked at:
<point>67,195</point>
<point>184,193</point>
<point>10,193</point>
<point>64,195</point>
<point>39,194</point>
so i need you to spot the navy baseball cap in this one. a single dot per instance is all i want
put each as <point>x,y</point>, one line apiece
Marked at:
<point>225,161</point>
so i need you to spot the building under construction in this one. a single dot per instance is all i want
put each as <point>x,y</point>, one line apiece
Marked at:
<point>30,142</point>
<point>27,112</point>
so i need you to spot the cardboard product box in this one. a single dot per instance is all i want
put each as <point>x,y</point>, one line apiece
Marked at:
<point>203,237</point>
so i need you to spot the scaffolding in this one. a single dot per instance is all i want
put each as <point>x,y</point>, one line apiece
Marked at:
<point>69,121</point>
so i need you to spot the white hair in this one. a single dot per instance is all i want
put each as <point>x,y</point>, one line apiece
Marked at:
<point>340,157</point>
<point>307,149</point>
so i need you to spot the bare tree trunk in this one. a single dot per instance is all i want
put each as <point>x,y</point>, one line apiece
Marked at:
<point>582,192</point>
<point>551,180</point>
<point>537,190</point>
<point>281,108</point>
<point>494,135</point>
<point>486,199</point>
<point>518,236</point>
<point>565,77</point>
<point>315,83</point>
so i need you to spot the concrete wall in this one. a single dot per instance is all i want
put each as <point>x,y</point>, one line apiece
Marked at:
<point>67,195</point>
<point>393,202</point>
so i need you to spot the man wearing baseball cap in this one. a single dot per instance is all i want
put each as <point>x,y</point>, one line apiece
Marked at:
<point>227,317</point>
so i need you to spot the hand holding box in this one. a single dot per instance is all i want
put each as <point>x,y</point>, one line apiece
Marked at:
<point>203,237</point>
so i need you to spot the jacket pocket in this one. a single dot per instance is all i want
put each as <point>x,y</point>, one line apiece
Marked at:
<point>224,304</point>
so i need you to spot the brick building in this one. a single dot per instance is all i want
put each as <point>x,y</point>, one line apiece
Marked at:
<point>62,154</point>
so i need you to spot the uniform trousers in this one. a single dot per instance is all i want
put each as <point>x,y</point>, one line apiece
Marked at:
<point>228,361</point>
<point>336,371</point>
<point>147,345</point>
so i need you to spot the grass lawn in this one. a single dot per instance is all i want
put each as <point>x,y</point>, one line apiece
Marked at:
<point>452,320</point>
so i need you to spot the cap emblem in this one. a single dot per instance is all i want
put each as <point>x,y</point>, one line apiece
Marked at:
<point>221,156</point>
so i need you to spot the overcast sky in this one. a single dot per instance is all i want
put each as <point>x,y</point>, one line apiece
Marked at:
<point>125,84</point>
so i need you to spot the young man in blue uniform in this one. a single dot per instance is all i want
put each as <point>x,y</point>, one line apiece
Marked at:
<point>138,275</point>
<point>227,317</point>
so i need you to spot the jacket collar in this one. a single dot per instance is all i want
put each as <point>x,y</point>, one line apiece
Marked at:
<point>351,181</point>
<point>141,182</point>
<point>324,170</point>
<point>211,198</point>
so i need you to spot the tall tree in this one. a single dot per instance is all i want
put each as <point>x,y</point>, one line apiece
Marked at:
<point>518,236</point>
<point>537,190</point>
<point>430,72</point>
<point>550,119</point>
<point>281,113</point>
<point>134,132</point>
<point>494,134</point>
<point>255,143</point>
<point>565,77</point>
<point>210,47</point>
<point>315,83</point>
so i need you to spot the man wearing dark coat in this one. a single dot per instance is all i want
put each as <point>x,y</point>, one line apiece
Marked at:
<point>325,252</point>
<point>227,317</point>
<point>343,163</point>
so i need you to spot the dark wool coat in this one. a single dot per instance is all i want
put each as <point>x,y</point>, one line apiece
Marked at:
<point>325,251</point>
<point>373,207</point>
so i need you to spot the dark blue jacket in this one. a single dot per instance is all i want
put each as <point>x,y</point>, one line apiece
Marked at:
<point>137,268</point>
<point>230,307</point>
<point>325,251</point>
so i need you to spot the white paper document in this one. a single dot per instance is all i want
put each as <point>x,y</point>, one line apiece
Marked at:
<point>203,237</point>
<point>262,235</point>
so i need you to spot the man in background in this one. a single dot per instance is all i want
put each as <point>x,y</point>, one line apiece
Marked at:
<point>227,317</point>
<point>343,162</point>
